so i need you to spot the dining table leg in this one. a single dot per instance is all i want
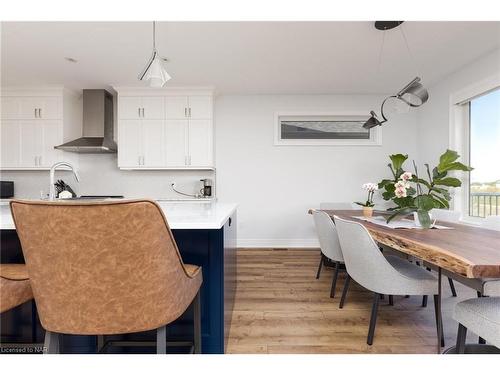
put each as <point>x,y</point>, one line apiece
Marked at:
<point>439,317</point>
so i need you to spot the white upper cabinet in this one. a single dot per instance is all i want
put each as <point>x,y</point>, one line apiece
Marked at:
<point>176,107</point>
<point>200,107</point>
<point>165,128</point>
<point>33,122</point>
<point>138,107</point>
<point>31,108</point>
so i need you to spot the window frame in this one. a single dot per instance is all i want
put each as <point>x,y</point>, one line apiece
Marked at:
<point>459,138</point>
<point>375,138</point>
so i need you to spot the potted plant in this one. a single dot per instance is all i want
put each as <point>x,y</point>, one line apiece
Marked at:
<point>370,187</point>
<point>415,195</point>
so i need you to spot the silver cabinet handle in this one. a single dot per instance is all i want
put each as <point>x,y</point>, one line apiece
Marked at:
<point>139,160</point>
<point>185,112</point>
<point>143,160</point>
<point>39,112</point>
<point>143,112</point>
<point>139,112</point>
<point>36,109</point>
<point>189,112</point>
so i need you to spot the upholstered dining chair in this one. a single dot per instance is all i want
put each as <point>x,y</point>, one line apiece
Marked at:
<point>491,222</point>
<point>381,274</point>
<point>329,245</point>
<point>481,316</point>
<point>105,268</point>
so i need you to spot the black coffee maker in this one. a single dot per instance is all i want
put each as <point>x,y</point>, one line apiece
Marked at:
<point>206,191</point>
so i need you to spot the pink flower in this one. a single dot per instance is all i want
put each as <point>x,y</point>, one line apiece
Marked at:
<point>400,192</point>
<point>370,186</point>
<point>406,176</point>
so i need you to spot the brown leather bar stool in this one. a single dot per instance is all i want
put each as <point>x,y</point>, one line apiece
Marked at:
<point>15,288</point>
<point>105,268</point>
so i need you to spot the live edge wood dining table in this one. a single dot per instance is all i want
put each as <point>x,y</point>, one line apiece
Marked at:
<point>464,250</point>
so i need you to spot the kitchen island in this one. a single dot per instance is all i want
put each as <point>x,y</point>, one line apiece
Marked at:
<point>205,233</point>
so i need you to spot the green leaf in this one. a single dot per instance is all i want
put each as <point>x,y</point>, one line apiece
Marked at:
<point>442,203</point>
<point>410,191</point>
<point>441,191</point>
<point>421,181</point>
<point>448,181</point>
<point>424,202</point>
<point>437,174</point>
<point>456,166</point>
<point>401,212</point>
<point>424,218</point>
<point>404,202</point>
<point>385,182</point>
<point>398,160</point>
<point>448,157</point>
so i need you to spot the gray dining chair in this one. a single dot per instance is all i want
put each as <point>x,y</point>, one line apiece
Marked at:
<point>491,222</point>
<point>481,316</point>
<point>329,245</point>
<point>381,274</point>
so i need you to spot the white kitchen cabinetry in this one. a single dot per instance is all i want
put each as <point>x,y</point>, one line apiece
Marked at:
<point>33,122</point>
<point>165,128</point>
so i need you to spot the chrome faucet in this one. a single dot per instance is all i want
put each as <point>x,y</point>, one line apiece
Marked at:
<point>52,189</point>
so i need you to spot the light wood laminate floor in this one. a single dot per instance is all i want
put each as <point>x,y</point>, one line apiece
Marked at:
<point>280,307</point>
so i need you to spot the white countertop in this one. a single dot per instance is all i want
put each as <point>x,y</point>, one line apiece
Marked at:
<point>180,215</point>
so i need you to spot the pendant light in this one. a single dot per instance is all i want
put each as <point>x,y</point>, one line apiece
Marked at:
<point>155,73</point>
<point>414,94</point>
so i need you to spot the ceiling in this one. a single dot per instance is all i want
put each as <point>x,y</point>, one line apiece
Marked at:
<point>243,57</point>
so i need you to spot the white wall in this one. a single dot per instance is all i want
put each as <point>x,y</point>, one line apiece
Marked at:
<point>276,185</point>
<point>433,117</point>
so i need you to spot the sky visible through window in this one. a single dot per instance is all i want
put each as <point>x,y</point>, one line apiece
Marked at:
<point>485,139</point>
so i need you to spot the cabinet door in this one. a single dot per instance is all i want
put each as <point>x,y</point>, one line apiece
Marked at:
<point>9,142</point>
<point>51,136</point>
<point>200,107</point>
<point>30,143</point>
<point>175,142</point>
<point>200,143</point>
<point>129,107</point>
<point>176,107</point>
<point>129,143</point>
<point>153,108</point>
<point>153,143</point>
<point>10,108</point>
<point>28,107</point>
<point>49,108</point>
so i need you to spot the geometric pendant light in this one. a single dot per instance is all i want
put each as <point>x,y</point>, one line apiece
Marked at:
<point>154,72</point>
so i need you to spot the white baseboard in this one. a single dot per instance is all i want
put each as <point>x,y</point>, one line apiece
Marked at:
<point>278,243</point>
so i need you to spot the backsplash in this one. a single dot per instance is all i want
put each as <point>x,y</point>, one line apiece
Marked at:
<point>99,174</point>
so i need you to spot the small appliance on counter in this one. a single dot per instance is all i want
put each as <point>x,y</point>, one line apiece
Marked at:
<point>6,189</point>
<point>206,191</point>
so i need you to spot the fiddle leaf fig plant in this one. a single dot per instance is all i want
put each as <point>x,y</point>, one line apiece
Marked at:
<point>412,193</point>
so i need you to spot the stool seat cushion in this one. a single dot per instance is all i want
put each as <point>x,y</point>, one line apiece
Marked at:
<point>481,316</point>
<point>14,271</point>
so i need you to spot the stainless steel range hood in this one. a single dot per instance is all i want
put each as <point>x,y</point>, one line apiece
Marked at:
<point>97,125</point>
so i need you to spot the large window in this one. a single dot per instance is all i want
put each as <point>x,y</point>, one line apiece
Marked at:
<point>484,154</point>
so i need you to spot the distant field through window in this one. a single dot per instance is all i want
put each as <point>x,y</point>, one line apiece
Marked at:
<point>484,119</point>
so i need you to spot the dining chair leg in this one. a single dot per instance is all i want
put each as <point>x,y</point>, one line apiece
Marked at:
<point>424,301</point>
<point>197,323</point>
<point>480,340</point>
<point>391,300</point>
<point>344,291</point>
<point>320,265</point>
<point>452,287</point>
<point>439,320</point>
<point>334,281</point>
<point>373,319</point>
<point>51,343</point>
<point>461,336</point>
<point>382,297</point>
<point>161,340</point>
